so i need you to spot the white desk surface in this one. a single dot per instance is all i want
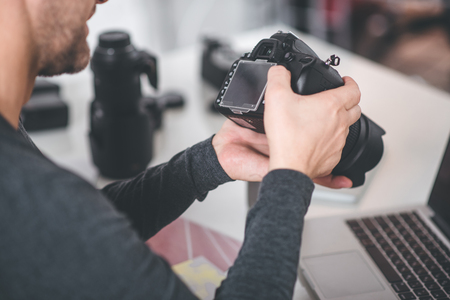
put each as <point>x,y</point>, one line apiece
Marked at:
<point>415,116</point>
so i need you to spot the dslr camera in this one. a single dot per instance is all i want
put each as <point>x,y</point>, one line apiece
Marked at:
<point>241,97</point>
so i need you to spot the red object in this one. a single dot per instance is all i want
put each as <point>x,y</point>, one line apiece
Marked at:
<point>183,240</point>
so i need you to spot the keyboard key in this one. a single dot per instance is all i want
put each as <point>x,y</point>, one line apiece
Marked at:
<point>367,242</point>
<point>398,244</point>
<point>408,276</point>
<point>389,272</point>
<point>393,219</point>
<point>439,275</point>
<point>438,294</point>
<point>387,248</point>
<point>446,267</point>
<point>393,256</point>
<point>388,230</point>
<point>421,292</point>
<point>426,298</point>
<point>411,259</point>
<point>361,235</point>
<point>441,259</point>
<point>407,296</point>
<point>420,270</point>
<point>403,269</point>
<point>382,241</point>
<point>426,278</point>
<point>415,284</point>
<point>376,234</point>
<point>444,282</point>
<point>415,264</point>
<point>427,261</point>
<point>353,224</point>
<point>406,216</point>
<point>400,287</point>
<point>381,222</point>
<point>433,267</point>
<point>369,224</point>
<point>432,286</point>
<point>398,262</point>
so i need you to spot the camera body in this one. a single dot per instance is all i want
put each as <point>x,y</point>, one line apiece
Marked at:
<point>241,97</point>
<point>309,75</point>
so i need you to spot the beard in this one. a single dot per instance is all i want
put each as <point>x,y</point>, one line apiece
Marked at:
<point>62,45</point>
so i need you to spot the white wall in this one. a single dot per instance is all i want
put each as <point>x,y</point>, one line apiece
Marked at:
<point>161,25</point>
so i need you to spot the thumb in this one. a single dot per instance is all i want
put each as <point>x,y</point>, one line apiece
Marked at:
<point>278,80</point>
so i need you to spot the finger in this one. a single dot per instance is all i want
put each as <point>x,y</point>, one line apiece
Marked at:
<point>278,79</point>
<point>354,114</point>
<point>334,182</point>
<point>246,135</point>
<point>352,95</point>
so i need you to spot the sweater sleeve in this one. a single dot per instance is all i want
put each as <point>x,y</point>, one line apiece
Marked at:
<point>62,239</point>
<point>161,194</point>
<point>266,267</point>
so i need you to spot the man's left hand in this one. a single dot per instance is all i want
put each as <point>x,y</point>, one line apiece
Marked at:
<point>244,155</point>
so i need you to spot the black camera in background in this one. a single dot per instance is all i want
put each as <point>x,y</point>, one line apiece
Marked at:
<point>122,121</point>
<point>45,109</point>
<point>217,56</point>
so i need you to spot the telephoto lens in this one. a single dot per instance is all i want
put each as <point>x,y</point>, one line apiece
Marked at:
<point>121,135</point>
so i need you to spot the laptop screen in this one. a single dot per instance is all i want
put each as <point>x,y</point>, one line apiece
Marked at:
<point>440,195</point>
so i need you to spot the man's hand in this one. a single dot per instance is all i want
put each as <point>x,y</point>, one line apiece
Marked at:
<point>308,133</point>
<point>242,153</point>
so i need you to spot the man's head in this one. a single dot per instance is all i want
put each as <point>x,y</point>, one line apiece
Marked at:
<point>60,31</point>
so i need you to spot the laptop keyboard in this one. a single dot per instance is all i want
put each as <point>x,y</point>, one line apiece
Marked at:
<point>411,257</point>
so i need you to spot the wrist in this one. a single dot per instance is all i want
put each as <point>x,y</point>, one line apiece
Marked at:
<point>289,164</point>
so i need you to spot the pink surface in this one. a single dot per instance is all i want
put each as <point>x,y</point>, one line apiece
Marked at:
<point>183,240</point>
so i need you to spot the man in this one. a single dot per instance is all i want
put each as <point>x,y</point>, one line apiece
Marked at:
<point>63,239</point>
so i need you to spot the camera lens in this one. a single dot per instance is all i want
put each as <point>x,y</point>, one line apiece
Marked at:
<point>362,151</point>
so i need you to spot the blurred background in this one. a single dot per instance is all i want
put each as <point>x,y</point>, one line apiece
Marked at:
<point>411,36</point>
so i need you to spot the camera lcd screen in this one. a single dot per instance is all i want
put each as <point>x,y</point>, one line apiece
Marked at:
<point>247,85</point>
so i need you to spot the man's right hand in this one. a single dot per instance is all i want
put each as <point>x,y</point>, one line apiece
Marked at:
<point>308,133</point>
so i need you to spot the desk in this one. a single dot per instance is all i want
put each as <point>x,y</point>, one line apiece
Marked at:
<point>415,116</point>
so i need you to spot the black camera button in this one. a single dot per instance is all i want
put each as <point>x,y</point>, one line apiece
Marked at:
<point>235,65</point>
<point>289,56</point>
<point>306,60</point>
<point>227,83</point>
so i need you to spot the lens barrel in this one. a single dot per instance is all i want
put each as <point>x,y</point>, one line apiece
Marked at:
<point>362,151</point>
<point>121,135</point>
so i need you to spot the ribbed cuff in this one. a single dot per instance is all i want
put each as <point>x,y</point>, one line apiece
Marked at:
<point>207,172</point>
<point>289,183</point>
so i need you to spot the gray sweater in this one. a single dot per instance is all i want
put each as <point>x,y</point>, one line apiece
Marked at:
<point>61,238</point>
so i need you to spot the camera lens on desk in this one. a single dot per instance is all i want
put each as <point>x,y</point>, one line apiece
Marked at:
<point>121,136</point>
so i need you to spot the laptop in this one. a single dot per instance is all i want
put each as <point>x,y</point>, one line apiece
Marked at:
<point>392,254</point>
